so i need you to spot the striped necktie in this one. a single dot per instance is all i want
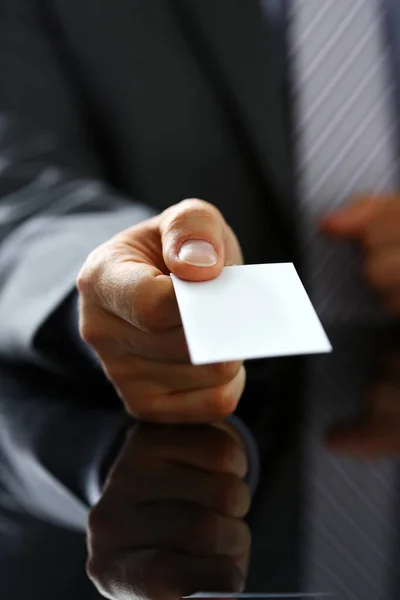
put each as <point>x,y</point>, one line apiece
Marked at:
<point>345,144</point>
<point>345,132</point>
<point>350,504</point>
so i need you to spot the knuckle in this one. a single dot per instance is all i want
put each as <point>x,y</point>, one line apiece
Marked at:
<point>235,497</point>
<point>132,407</point>
<point>91,334</point>
<point>84,281</point>
<point>139,411</point>
<point>146,308</point>
<point>225,371</point>
<point>222,401</point>
<point>98,520</point>
<point>100,573</point>
<point>192,209</point>
<point>190,205</point>
<point>226,454</point>
<point>243,536</point>
<point>88,275</point>
<point>146,409</point>
<point>224,535</point>
<point>92,568</point>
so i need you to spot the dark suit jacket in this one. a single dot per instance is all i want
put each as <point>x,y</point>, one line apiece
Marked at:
<point>112,110</point>
<point>109,112</point>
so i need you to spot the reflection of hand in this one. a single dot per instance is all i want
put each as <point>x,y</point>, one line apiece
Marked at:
<point>130,317</point>
<point>375,222</point>
<point>379,435</point>
<point>169,523</point>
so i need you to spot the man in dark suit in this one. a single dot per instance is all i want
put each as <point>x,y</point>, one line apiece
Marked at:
<point>110,114</point>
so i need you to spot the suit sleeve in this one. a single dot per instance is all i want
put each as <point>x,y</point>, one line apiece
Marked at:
<point>55,206</point>
<point>57,441</point>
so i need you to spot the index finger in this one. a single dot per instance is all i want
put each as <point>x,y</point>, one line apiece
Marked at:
<point>140,294</point>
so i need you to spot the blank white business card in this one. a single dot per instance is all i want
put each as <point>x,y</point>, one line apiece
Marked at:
<point>251,311</point>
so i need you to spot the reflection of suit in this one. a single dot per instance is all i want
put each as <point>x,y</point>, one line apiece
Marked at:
<point>41,560</point>
<point>49,436</point>
<point>52,435</point>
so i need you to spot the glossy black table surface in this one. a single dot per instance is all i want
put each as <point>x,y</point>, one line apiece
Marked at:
<point>323,439</point>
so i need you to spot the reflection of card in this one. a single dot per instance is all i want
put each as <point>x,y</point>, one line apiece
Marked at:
<point>254,311</point>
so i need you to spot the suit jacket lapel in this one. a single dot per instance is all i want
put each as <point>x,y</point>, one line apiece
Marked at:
<point>234,39</point>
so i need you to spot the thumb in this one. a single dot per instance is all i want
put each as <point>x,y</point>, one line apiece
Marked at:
<point>353,219</point>
<point>193,235</point>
